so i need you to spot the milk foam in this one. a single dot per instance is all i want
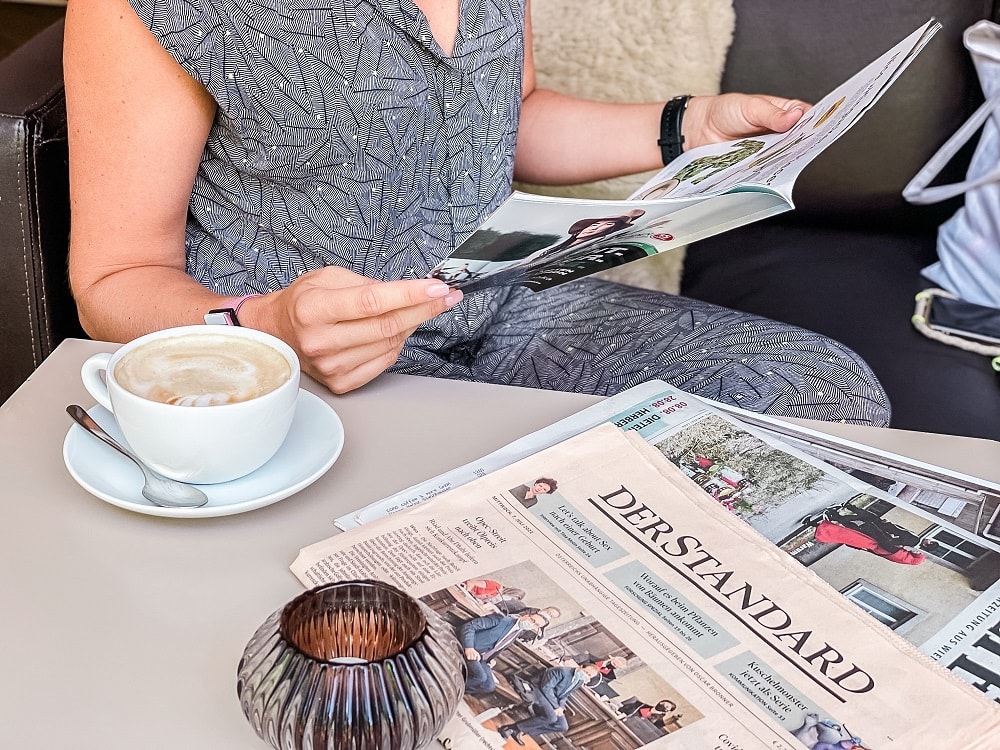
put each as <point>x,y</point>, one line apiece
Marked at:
<point>202,370</point>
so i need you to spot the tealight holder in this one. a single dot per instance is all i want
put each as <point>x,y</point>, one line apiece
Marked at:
<point>356,665</point>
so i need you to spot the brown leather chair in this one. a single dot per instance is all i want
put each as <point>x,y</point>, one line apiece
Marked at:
<point>36,309</point>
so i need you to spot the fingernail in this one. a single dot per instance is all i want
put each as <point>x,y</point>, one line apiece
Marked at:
<point>454,298</point>
<point>438,290</point>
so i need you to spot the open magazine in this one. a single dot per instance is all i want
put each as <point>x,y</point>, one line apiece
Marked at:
<point>539,242</point>
<point>915,546</point>
<point>626,607</point>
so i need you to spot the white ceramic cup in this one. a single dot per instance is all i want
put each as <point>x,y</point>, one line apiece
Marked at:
<point>198,444</point>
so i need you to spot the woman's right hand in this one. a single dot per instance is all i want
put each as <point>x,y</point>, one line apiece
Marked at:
<point>347,328</point>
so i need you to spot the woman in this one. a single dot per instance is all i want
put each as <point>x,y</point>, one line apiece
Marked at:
<point>528,494</point>
<point>305,168</point>
<point>588,230</point>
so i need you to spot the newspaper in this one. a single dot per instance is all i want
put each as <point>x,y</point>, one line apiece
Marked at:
<point>538,242</point>
<point>645,613</point>
<point>969,643</point>
<point>936,582</point>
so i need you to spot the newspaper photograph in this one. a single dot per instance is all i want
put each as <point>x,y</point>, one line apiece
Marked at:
<point>604,598</point>
<point>969,644</point>
<point>971,503</point>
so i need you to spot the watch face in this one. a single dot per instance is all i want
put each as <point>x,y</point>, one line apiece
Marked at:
<point>223,317</point>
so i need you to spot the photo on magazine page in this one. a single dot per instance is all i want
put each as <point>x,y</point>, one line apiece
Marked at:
<point>543,671</point>
<point>537,242</point>
<point>528,234</point>
<point>907,570</point>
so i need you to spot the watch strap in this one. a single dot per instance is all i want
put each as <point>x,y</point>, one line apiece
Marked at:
<point>671,142</point>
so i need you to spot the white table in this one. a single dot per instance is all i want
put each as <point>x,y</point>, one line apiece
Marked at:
<point>123,630</point>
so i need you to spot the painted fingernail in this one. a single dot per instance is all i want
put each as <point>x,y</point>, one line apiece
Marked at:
<point>438,290</point>
<point>454,298</point>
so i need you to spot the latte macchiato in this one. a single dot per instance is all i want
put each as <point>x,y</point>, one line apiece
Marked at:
<point>202,370</point>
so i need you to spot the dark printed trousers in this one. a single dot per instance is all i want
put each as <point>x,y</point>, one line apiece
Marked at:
<point>598,337</point>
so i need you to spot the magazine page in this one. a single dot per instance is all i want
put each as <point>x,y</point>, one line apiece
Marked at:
<point>775,160</point>
<point>625,608</point>
<point>539,242</point>
<point>919,571</point>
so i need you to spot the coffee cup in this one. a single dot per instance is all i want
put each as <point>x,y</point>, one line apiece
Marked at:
<point>201,404</point>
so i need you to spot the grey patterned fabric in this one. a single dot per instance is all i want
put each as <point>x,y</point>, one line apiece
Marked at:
<point>601,338</point>
<point>345,136</point>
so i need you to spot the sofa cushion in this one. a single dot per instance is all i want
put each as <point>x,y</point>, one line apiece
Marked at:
<point>856,287</point>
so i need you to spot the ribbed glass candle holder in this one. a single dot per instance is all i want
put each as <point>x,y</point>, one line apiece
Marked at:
<point>355,665</point>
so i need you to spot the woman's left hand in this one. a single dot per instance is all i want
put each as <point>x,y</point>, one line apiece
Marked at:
<point>728,117</point>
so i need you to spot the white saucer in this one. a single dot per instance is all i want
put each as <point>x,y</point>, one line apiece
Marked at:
<point>314,442</point>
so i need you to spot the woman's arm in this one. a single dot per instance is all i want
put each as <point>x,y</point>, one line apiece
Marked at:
<point>565,140</point>
<point>137,128</point>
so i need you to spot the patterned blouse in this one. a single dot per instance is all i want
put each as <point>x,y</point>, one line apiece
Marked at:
<point>344,135</point>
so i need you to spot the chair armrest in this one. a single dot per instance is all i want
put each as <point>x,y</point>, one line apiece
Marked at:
<point>36,309</point>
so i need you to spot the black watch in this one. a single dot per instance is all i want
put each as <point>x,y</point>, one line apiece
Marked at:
<point>671,142</point>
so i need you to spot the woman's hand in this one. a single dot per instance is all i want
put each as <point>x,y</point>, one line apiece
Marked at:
<point>347,328</point>
<point>728,117</point>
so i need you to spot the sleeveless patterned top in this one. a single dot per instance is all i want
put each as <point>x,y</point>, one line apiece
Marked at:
<point>344,135</point>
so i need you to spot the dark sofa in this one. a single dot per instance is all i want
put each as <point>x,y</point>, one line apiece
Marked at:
<point>845,263</point>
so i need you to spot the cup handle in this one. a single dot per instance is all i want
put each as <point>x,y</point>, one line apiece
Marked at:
<point>90,373</point>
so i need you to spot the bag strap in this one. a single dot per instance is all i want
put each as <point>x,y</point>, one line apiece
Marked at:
<point>917,190</point>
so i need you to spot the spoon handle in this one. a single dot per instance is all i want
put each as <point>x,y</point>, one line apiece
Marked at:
<point>157,489</point>
<point>79,414</point>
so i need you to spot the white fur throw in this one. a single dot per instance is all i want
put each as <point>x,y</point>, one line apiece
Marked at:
<point>622,50</point>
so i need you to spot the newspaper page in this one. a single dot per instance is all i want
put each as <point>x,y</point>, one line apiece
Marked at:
<point>891,542</point>
<point>538,242</point>
<point>626,608</point>
<point>969,642</point>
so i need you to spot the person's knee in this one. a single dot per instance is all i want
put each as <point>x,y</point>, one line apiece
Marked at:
<point>479,678</point>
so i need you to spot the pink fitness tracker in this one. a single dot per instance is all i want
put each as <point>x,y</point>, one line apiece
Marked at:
<point>227,316</point>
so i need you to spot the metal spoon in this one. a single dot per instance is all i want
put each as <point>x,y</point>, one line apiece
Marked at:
<point>158,489</point>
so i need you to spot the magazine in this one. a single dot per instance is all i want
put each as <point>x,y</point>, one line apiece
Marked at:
<point>625,607</point>
<point>538,242</point>
<point>825,502</point>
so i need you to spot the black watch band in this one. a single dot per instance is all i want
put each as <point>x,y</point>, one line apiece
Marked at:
<point>671,142</point>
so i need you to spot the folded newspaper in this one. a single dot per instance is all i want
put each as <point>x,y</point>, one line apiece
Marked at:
<point>606,598</point>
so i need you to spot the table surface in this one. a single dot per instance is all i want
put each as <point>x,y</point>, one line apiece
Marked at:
<point>123,630</point>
